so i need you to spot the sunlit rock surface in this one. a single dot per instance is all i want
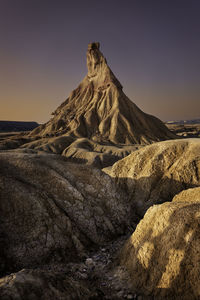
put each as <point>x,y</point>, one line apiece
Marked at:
<point>162,255</point>
<point>156,173</point>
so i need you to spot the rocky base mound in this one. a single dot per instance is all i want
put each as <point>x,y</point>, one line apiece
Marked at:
<point>82,150</point>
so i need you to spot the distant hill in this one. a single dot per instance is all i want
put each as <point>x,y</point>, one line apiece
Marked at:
<point>12,126</point>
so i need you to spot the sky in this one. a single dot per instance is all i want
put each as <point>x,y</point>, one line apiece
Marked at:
<point>152,46</point>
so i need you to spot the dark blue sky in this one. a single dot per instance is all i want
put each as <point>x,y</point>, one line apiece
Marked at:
<point>153,47</point>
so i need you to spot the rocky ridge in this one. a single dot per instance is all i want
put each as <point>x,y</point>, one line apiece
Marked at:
<point>156,173</point>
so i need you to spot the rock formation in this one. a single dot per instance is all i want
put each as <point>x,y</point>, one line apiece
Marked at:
<point>156,173</point>
<point>162,255</point>
<point>99,110</point>
<point>54,211</point>
<point>97,124</point>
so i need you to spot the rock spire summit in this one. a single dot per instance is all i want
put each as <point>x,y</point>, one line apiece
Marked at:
<point>99,110</point>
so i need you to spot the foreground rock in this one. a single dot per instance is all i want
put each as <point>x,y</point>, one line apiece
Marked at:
<point>37,284</point>
<point>156,173</point>
<point>162,255</point>
<point>54,211</point>
<point>92,278</point>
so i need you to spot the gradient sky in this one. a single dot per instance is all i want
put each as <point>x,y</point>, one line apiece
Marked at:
<point>153,48</point>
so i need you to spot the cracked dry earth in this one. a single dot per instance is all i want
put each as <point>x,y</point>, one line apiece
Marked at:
<point>53,225</point>
<point>108,280</point>
<point>112,279</point>
<point>96,277</point>
<point>105,279</point>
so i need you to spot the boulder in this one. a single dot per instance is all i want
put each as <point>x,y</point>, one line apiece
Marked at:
<point>162,255</point>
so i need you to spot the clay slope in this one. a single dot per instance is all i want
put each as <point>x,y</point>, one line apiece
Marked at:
<point>162,255</point>
<point>99,110</point>
<point>156,173</point>
<point>54,211</point>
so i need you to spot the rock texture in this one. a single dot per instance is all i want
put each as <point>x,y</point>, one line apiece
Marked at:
<point>99,110</point>
<point>156,173</point>
<point>54,211</point>
<point>37,284</point>
<point>162,255</point>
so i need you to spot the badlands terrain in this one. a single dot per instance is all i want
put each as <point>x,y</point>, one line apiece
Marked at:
<point>185,130</point>
<point>101,202</point>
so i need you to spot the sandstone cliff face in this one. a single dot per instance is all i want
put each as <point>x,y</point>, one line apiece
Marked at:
<point>99,110</point>
<point>54,211</point>
<point>162,255</point>
<point>156,173</point>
